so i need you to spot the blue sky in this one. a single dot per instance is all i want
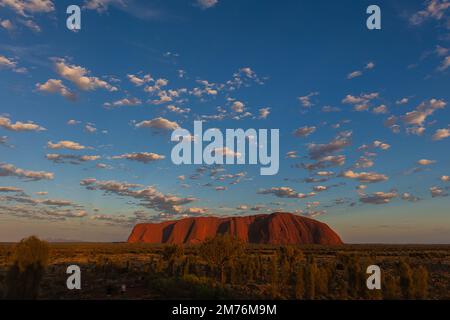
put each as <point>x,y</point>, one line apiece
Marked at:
<point>309,68</point>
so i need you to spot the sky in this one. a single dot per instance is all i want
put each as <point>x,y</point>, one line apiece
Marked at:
<point>86,116</point>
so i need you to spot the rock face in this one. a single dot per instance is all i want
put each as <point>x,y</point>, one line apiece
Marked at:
<point>275,228</point>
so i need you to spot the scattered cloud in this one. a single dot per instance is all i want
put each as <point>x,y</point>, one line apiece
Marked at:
<point>378,197</point>
<point>238,107</point>
<point>425,162</point>
<point>441,134</point>
<point>364,177</point>
<point>263,113</point>
<point>65,144</point>
<point>304,131</point>
<point>144,157</point>
<point>28,7</point>
<point>435,9</point>
<point>306,101</point>
<point>206,4</point>
<point>19,126</point>
<point>136,80</point>
<point>438,192</point>
<point>79,76</point>
<point>148,197</point>
<point>284,192</point>
<point>318,151</point>
<point>10,189</point>
<point>359,73</point>
<point>123,102</point>
<point>56,86</point>
<point>6,24</point>
<point>158,124</point>
<point>70,158</point>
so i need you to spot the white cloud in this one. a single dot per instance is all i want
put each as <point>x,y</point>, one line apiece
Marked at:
<point>238,107</point>
<point>441,134</point>
<point>123,102</point>
<point>382,109</point>
<point>178,110</point>
<point>378,197</point>
<point>56,86</point>
<point>101,5</point>
<point>158,123</point>
<point>342,140</point>
<point>7,24</point>
<point>136,80</point>
<point>19,126</point>
<point>10,189</point>
<point>306,100</point>
<point>9,170</point>
<point>354,74</point>
<point>206,4</point>
<point>402,101</point>
<point>90,128</point>
<point>26,7</point>
<point>65,144</point>
<point>424,110</point>
<point>263,113</point>
<point>425,162</point>
<point>304,131</point>
<point>438,192</point>
<point>364,177</point>
<point>144,157</point>
<point>78,75</point>
<point>149,197</point>
<point>7,63</point>
<point>435,9</point>
<point>283,192</point>
<point>70,158</point>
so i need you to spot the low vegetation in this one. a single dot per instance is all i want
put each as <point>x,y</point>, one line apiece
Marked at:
<point>222,268</point>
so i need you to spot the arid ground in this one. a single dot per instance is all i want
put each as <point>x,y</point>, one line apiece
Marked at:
<point>143,271</point>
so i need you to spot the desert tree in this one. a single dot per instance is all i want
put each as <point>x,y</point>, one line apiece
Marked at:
<point>220,251</point>
<point>172,254</point>
<point>27,268</point>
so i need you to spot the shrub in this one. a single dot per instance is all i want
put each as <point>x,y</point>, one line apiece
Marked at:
<point>29,261</point>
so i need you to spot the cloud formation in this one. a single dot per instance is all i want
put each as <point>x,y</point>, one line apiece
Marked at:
<point>158,123</point>
<point>284,192</point>
<point>148,197</point>
<point>378,197</point>
<point>304,131</point>
<point>79,76</point>
<point>9,170</point>
<point>56,86</point>
<point>364,177</point>
<point>70,158</point>
<point>65,144</point>
<point>144,157</point>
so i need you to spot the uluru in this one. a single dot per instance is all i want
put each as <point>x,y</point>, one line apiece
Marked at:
<point>275,228</point>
